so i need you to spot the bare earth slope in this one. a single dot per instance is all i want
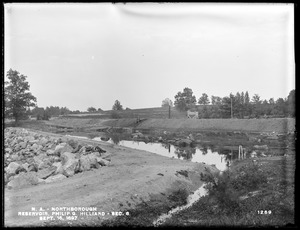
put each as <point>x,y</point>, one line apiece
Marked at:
<point>132,176</point>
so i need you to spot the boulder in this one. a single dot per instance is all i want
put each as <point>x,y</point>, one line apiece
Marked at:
<point>55,178</point>
<point>23,144</point>
<point>106,156</point>
<point>41,160</point>
<point>34,147</point>
<point>30,138</point>
<point>15,157</point>
<point>77,149</point>
<point>59,168</point>
<point>8,150</point>
<point>52,146</point>
<point>50,152</point>
<point>69,163</point>
<point>45,173</point>
<point>43,141</point>
<point>25,166</point>
<point>82,150</point>
<point>61,148</point>
<point>73,143</point>
<point>56,159</point>
<point>23,180</point>
<point>99,150</point>
<point>88,162</point>
<point>89,148</point>
<point>32,142</point>
<point>19,139</point>
<point>102,161</point>
<point>13,168</point>
<point>33,167</point>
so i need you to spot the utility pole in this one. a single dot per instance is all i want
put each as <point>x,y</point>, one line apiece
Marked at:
<point>231,106</point>
<point>169,111</point>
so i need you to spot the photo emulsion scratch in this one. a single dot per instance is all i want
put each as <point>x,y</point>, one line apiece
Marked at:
<point>147,115</point>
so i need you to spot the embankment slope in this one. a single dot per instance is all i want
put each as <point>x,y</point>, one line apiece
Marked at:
<point>279,125</point>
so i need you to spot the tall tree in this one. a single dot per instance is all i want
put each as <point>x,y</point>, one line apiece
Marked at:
<point>91,109</point>
<point>242,98</point>
<point>215,100</point>
<point>239,105</point>
<point>117,106</point>
<point>291,103</point>
<point>256,99</point>
<point>185,100</point>
<point>167,102</point>
<point>203,100</point>
<point>280,107</point>
<point>271,101</point>
<point>226,107</point>
<point>40,113</point>
<point>17,96</point>
<point>64,111</point>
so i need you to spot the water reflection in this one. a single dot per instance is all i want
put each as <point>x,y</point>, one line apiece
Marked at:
<point>220,157</point>
<point>185,153</point>
<point>200,154</point>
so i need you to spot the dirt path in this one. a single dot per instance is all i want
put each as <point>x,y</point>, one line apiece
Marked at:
<point>131,178</point>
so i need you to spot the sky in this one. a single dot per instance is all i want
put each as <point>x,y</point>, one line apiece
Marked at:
<point>82,55</point>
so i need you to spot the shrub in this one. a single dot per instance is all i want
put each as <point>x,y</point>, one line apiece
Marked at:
<point>115,115</point>
<point>179,196</point>
<point>227,187</point>
<point>218,185</point>
<point>248,177</point>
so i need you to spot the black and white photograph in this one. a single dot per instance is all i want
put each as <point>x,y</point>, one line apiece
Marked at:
<point>149,115</point>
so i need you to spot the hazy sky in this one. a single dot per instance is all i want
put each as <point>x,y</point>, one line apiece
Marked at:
<point>82,55</point>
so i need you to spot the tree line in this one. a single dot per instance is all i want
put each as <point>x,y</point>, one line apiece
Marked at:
<point>18,102</point>
<point>240,105</point>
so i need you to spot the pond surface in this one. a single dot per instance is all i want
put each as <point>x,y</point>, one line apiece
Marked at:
<point>221,158</point>
<point>199,155</point>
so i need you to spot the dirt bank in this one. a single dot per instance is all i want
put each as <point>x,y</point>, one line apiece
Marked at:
<point>130,179</point>
<point>278,125</point>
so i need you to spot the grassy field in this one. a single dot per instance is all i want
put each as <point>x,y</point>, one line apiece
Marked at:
<point>280,125</point>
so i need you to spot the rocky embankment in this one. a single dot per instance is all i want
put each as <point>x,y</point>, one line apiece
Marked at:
<point>32,158</point>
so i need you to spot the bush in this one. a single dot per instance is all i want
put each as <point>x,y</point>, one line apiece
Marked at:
<point>179,196</point>
<point>218,186</point>
<point>227,187</point>
<point>249,177</point>
<point>115,115</point>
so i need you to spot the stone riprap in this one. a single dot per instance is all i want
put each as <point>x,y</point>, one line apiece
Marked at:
<point>32,158</point>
